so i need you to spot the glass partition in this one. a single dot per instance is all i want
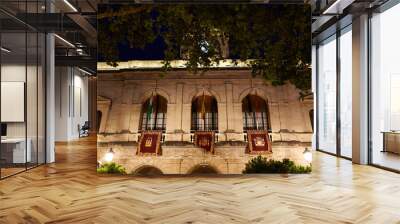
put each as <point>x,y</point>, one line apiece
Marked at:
<point>22,67</point>
<point>385,89</point>
<point>326,95</point>
<point>346,92</point>
<point>13,94</point>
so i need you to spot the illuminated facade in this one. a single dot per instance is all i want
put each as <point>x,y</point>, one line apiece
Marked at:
<point>226,101</point>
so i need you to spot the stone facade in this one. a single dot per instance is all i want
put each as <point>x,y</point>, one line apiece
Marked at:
<point>121,95</point>
<point>227,159</point>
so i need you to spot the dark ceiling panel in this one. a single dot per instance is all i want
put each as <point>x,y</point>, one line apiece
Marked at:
<point>49,22</point>
<point>79,61</point>
<point>206,1</point>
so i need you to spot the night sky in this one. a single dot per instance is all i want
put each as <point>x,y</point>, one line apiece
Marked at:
<point>155,50</point>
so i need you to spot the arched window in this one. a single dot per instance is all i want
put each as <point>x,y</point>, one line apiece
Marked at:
<point>98,117</point>
<point>154,113</point>
<point>255,113</point>
<point>204,113</point>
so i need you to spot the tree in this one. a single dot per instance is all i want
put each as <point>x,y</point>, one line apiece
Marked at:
<point>276,37</point>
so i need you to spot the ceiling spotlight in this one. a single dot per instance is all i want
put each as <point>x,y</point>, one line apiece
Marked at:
<point>5,50</point>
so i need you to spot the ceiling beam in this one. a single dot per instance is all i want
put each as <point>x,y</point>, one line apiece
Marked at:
<point>78,61</point>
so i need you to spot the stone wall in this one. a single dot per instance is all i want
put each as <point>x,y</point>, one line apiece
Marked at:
<point>121,96</point>
<point>184,159</point>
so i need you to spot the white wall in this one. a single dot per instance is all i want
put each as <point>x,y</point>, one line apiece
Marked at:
<point>71,102</point>
<point>16,73</point>
<point>33,126</point>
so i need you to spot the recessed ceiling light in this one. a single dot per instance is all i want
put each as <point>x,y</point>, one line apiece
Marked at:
<point>64,40</point>
<point>338,6</point>
<point>70,5</point>
<point>84,71</point>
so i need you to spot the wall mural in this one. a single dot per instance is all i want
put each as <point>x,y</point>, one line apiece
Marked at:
<point>191,89</point>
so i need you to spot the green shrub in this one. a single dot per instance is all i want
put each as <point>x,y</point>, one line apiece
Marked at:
<point>261,164</point>
<point>111,168</point>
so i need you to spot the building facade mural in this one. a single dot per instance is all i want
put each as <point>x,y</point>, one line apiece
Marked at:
<point>226,101</point>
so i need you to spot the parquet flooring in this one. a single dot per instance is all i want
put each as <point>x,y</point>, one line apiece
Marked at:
<point>11,170</point>
<point>70,191</point>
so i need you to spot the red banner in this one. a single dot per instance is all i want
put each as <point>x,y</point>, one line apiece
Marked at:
<point>259,142</point>
<point>149,143</point>
<point>205,140</point>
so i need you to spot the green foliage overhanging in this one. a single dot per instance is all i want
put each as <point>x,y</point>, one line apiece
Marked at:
<point>277,37</point>
<point>261,164</point>
<point>111,168</point>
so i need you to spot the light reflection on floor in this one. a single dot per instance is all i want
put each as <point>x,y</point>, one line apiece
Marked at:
<point>387,159</point>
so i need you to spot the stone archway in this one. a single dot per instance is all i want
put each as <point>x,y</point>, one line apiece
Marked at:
<point>150,92</point>
<point>190,96</point>
<point>255,91</point>
<point>99,114</point>
<point>203,169</point>
<point>148,171</point>
<point>104,106</point>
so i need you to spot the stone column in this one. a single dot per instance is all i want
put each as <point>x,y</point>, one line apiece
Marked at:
<point>229,106</point>
<point>238,120</point>
<point>174,115</point>
<point>273,116</point>
<point>230,115</point>
<point>222,119</point>
<point>172,123</point>
<point>179,106</point>
<point>125,107</point>
<point>134,121</point>
<point>186,122</point>
<point>127,94</point>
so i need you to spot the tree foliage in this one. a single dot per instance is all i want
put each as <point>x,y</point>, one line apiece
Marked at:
<point>277,38</point>
<point>111,168</point>
<point>261,164</point>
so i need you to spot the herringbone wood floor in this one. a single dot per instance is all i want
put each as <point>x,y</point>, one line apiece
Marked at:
<point>70,191</point>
